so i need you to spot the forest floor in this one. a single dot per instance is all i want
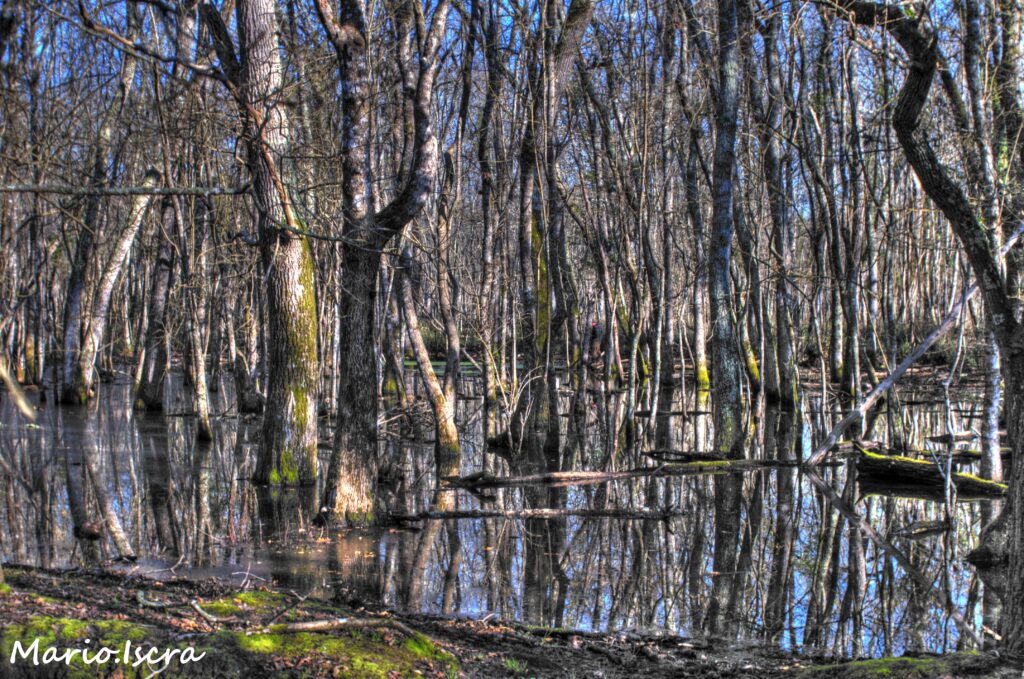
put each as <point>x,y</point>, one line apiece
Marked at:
<point>263,633</point>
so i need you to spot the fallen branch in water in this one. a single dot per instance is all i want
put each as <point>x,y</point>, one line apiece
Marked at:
<point>876,394</point>
<point>582,478</point>
<point>919,478</point>
<point>538,514</point>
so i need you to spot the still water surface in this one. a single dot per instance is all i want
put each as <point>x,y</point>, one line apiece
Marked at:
<point>797,574</point>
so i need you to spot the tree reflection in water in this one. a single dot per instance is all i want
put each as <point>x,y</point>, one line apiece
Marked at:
<point>758,555</point>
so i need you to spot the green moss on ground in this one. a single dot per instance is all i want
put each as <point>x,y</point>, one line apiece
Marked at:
<point>239,645</point>
<point>352,653</point>
<point>355,654</point>
<point>956,665</point>
<point>71,633</point>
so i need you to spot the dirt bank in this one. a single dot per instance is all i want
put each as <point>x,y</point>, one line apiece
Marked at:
<point>264,632</point>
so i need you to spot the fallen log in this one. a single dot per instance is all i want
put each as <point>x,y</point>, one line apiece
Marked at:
<point>909,477</point>
<point>683,456</point>
<point>208,617</point>
<point>956,437</point>
<point>335,624</point>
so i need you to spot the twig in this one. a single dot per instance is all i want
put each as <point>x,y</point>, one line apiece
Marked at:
<point>287,608</point>
<point>337,624</point>
<point>140,596</point>
<point>211,619</point>
<point>655,514</point>
<point>68,190</point>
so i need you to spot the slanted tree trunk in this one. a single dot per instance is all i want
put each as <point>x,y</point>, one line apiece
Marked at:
<point>73,386</point>
<point>95,329</point>
<point>442,399</point>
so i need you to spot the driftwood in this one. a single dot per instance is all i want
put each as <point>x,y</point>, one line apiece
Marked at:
<point>876,394</point>
<point>956,437</point>
<point>908,477</point>
<point>140,597</point>
<point>683,456</point>
<point>208,617</point>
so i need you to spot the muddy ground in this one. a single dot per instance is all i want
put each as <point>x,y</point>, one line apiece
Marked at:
<point>266,633</point>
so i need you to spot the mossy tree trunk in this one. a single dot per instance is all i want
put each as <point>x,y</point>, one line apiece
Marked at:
<point>288,445</point>
<point>700,283</point>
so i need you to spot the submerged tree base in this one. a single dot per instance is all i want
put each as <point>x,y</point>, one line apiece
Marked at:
<point>271,633</point>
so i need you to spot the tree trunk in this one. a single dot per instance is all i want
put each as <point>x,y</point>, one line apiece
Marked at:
<point>726,403</point>
<point>288,446</point>
<point>150,392</point>
<point>78,300</point>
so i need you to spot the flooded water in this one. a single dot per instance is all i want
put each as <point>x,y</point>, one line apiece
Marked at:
<point>762,556</point>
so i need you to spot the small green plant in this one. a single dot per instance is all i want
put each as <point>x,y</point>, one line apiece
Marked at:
<point>516,667</point>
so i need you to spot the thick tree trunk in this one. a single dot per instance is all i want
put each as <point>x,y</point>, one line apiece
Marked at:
<point>349,489</point>
<point>726,403</point>
<point>353,468</point>
<point>288,446</point>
